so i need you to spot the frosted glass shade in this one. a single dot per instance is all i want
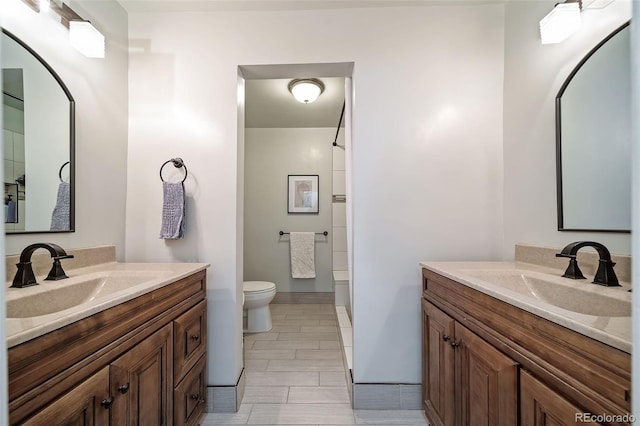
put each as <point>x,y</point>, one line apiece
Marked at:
<point>306,91</point>
<point>560,23</point>
<point>85,38</point>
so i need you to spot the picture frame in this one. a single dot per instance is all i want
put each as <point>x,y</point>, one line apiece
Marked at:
<point>302,193</point>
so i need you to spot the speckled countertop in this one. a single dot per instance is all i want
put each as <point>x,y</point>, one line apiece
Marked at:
<point>614,330</point>
<point>126,281</point>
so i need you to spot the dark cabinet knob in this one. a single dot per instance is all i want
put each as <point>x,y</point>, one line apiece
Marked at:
<point>124,388</point>
<point>195,337</point>
<point>106,403</point>
<point>446,337</point>
<point>195,397</point>
<point>454,345</point>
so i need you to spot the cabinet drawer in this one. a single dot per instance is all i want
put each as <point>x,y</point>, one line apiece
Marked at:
<point>189,398</point>
<point>190,339</point>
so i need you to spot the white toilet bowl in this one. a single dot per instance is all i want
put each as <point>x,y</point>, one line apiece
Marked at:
<point>257,296</point>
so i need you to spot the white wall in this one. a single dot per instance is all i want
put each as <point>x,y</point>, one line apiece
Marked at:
<point>99,87</point>
<point>534,74</point>
<point>427,133</point>
<point>270,155</point>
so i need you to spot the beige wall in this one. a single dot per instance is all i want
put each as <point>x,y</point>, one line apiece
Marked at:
<point>271,155</point>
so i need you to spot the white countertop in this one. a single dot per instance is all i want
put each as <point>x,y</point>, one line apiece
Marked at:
<point>611,330</point>
<point>154,276</point>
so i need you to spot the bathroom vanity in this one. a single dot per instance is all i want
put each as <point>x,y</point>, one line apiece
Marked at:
<point>502,349</point>
<point>133,352</point>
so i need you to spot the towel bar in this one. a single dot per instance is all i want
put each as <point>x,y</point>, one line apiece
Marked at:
<point>325,233</point>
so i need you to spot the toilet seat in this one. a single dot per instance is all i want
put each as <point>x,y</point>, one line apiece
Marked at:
<point>255,287</point>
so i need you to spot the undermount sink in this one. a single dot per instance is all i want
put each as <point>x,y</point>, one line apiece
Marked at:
<point>56,296</point>
<point>560,292</point>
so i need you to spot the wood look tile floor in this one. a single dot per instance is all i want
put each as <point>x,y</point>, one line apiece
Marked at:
<point>295,376</point>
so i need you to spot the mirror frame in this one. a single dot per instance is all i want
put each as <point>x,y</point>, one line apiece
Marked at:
<point>72,139</point>
<point>559,137</point>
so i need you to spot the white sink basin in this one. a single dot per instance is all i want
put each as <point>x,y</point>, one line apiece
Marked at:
<point>579,296</point>
<point>55,296</point>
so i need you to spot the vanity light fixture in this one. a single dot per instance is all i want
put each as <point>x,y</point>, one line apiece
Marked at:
<point>86,38</point>
<point>45,5</point>
<point>561,22</point>
<point>82,34</point>
<point>596,4</point>
<point>306,90</point>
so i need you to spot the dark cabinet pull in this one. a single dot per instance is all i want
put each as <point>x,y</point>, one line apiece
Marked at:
<point>195,397</point>
<point>446,337</point>
<point>106,403</point>
<point>195,337</point>
<point>124,388</point>
<point>454,345</point>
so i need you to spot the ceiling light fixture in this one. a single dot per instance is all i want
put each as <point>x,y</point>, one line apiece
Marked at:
<point>561,22</point>
<point>306,90</point>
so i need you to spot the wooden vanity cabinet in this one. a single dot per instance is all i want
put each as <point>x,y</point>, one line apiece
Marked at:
<point>118,366</point>
<point>468,381</point>
<point>488,362</point>
<point>83,405</point>
<point>541,406</point>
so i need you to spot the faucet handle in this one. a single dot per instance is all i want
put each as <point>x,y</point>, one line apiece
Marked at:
<point>65,256</point>
<point>57,273</point>
<point>573,271</point>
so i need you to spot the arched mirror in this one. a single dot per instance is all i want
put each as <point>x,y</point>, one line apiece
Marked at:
<point>38,139</point>
<point>593,141</point>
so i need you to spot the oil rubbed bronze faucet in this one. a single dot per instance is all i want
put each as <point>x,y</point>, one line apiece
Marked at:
<point>25,276</point>
<point>604,275</point>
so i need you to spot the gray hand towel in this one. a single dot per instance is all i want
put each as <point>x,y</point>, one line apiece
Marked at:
<point>173,210</point>
<point>60,214</point>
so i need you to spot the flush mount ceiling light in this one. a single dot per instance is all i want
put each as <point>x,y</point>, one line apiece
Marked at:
<point>561,22</point>
<point>86,38</point>
<point>306,90</point>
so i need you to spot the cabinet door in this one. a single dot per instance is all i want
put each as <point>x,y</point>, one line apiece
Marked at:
<point>85,405</point>
<point>142,382</point>
<point>541,406</point>
<point>486,382</point>
<point>190,339</point>
<point>438,364</point>
<point>189,397</point>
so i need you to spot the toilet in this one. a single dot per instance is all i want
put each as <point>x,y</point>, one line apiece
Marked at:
<point>257,296</point>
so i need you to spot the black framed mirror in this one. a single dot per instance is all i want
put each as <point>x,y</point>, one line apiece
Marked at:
<point>593,141</point>
<point>39,142</point>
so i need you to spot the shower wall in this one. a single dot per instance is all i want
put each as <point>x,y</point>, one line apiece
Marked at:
<point>270,156</point>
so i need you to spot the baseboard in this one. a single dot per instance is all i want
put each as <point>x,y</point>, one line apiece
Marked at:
<point>382,396</point>
<point>304,297</point>
<point>226,399</point>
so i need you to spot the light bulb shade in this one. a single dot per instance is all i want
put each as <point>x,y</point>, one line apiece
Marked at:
<point>560,23</point>
<point>84,37</point>
<point>596,4</point>
<point>306,90</point>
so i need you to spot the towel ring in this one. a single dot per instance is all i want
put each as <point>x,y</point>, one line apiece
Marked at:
<point>60,172</point>
<point>177,163</point>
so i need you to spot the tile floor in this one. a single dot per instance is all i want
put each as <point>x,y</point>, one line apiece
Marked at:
<point>295,375</point>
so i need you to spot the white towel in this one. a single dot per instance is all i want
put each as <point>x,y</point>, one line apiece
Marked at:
<point>302,246</point>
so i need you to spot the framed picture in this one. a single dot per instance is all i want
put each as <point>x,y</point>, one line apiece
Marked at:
<point>303,194</point>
